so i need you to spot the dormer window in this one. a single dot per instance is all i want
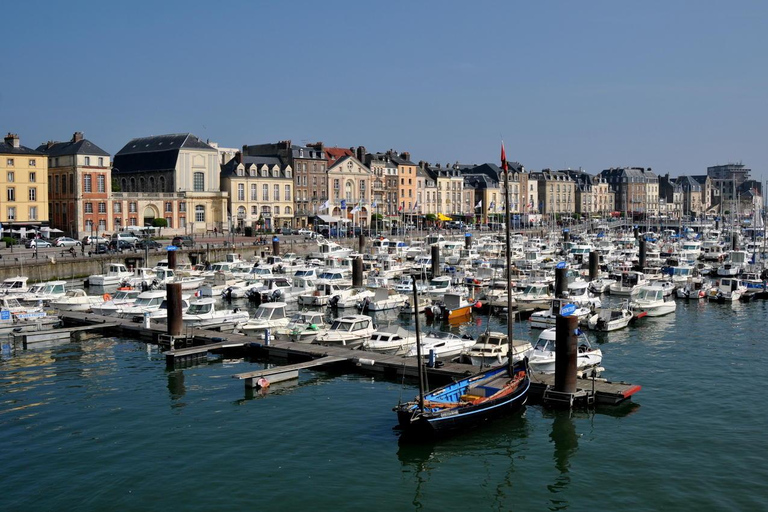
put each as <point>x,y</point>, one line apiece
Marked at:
<point>240,171</point>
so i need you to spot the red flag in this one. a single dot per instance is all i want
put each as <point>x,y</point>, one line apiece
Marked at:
<point>503,158</point>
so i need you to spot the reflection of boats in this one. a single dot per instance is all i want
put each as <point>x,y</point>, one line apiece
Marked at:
<point>543,357</point>
<point>466,402</point>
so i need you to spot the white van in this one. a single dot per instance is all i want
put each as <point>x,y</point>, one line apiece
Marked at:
<point>125,237</point>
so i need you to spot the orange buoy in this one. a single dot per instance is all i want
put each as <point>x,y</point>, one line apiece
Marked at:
<point>106,297</point>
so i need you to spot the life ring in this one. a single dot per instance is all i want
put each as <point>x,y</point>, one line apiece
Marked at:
<point>106,297</point>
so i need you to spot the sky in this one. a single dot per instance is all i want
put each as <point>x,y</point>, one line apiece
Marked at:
<point>672,85</point>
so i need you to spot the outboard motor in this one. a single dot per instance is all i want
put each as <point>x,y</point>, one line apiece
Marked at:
<point>334,301</point>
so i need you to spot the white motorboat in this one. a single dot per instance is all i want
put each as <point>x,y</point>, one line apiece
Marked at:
<point>349,331</point>
<point>116,272</point>
<point>421,306</point>
<point>383,300</point>
<point>694,288</point>
<point>601,284</point>
<point>141,278</point>
<point>303,327</point>
<point>203,313</point>
<point>442,344</point>
<point>397,342</point>
<point>578,293</point>
<point>322,293</point>
<point>76,300</point>
<point>542,358</point>
<point>146,302</point>
<point>189,282</point>
<point>651,301</point>
<point>611,319</point>
<point>44,293</point>
<point>548,318</point>
<point>630,280</point>
<point>269,315</point>
<point>350,298</point>
<point>14,285</point>
<point>537,293</point>
<point>492,348</point>
<point>115,303</point>
<point>728,289</point>
<point>218,281</point>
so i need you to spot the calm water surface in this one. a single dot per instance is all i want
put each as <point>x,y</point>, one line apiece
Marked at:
<point>102,425</point>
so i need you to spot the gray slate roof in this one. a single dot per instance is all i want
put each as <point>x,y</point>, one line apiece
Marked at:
<point>81,147</point>
<point>7,149</point>
<point>174,141</point>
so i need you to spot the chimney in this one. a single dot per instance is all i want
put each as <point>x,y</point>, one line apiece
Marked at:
<point>77,137</point>
<point>405,155</point>
<point>239,157</point>
<point>49,144</point>
<point>361,153</point>
<point>12,140</point>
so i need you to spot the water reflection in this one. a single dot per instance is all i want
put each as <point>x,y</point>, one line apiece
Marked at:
<point>176,387</point>
<point>566,442</point>
<point>494,446</point>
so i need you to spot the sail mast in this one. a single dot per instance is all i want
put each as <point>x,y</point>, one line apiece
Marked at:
<point>510,319</point>
<point>419,361</point>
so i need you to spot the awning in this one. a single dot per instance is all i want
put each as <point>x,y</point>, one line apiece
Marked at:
<point>442,217</point>
<point>330,219</point>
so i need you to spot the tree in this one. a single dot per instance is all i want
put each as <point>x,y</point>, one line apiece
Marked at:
<point>159,223</point>
<point>116,185</point>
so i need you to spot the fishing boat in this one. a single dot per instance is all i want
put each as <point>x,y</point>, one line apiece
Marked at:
<point>492,348</point>
<point>467,402</point>
<point>348,331</point>
<point>543,356</point>
<point>395,342</point>
<point>116,272</point>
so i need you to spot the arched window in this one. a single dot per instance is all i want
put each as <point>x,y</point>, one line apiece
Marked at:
<point>151,184</point>
<point>162,183</point>
<point>200,213</point>
<point>348,191</point>
<point>133,184</point>
<point>288,210</point>
<point>124,185</point>
<point>142,185</point>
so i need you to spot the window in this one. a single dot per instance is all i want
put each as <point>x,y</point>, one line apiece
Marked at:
<point>102,207</point>
<point>32,177</point>
<point>240,192</point>
<point>117,207</point>
<point>102,225</point>
<point>200,213</point>
<point>199,181</point>
<point>100,183</point>
<point>240,171</point>
<point>254,210</point>
<point>169,222</point>
<point>63,183</point>
<point>11,213</point>
<point>168,207</point>
<point>276,192</point>
<point>182,222</point>
<point>87,160</point>
<point>287,192</point>
<point>32,193</point>
<point>86,183</point>
<point>277,210</point>
<point>254,193</point>
<point>33,213</point>
<point>132,221</point>
<point>88,207</point>
<point>11,177</point>
<point>132,207</point>
<point>11,194</point>
<point>32,162</point>
<point>182,206</point>
<point>336,184</point>
<point>101,161</point>
<point>265,192</point>
<point>9,162</point>
<point>89,225</point>
<point>362,184</point>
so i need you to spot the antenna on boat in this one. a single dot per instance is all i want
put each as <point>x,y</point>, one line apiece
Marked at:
<point>419,361</point>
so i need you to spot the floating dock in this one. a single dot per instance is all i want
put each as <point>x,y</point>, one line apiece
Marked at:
<point>198,343</point>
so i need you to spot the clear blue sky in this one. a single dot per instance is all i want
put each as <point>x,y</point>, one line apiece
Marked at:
<point>672,85</point>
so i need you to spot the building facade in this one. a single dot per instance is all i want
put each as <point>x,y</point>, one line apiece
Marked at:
<point>557,192</point>
<point>175,177</point>
<point>385,188</point>
<point>349,190</point>
<point>79,187</point>
<point>260,192</point>
<point>636,188</point>
<point>406,188</point>
<point>23,185</point>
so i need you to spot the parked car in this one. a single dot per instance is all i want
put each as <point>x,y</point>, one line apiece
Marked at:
<point>125,237</point>
<point>306,232</point>
<point>183,241</point>
<point>40,243</point>
<point>88,240</point>
<point>121,245</point>
<point>150,244</point>
<point>65,241</point>
<point>101,249</point>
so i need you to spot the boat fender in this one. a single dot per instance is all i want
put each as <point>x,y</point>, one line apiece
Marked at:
<point>262,383</point>
<point>106,297</point>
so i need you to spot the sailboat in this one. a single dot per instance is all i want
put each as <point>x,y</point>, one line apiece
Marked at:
<point>471,400</point>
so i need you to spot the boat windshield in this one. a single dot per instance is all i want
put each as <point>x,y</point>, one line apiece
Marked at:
<point>125,294</point>
<point>200,309</point>
<point>148,301</point>
<point>339,325</point>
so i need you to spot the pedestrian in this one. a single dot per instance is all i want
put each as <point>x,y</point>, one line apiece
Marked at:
<point>215,231</point>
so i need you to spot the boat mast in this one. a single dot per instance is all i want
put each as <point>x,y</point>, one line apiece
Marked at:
<point>508,256</point>
<point>419,361</point>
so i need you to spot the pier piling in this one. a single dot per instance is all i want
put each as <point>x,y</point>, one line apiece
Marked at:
<point>561,282</point>
<point>641,257</point>
<point>468,240</point>
<point>276,246</point>
<point>357,272</point>
<point>435,261</point>
<point>360,243</point>
<point>175,323</point>
<point>594,263</point>
<point>171,260</point>
<point>566,236</point>
<point>565,354</point>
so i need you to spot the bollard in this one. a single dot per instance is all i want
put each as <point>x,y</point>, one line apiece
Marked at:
<point>594,264</point>
<point>561,282</point>
<point>357,272</point>
<point>360,243</point>
<point>566,354</point>
<point>431,363</point>
<point>276,246</point>
<point>566,236</point>
<point>435,261</point>
<point>175,322</point>
<point>171,260</point>
<point>641,257</point>
<point>146,319</point>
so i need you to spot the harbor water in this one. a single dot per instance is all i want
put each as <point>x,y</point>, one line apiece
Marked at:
<point>103,425</point>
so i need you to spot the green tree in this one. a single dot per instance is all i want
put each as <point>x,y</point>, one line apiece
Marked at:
<point>116,185</point>
<point>159,223</point>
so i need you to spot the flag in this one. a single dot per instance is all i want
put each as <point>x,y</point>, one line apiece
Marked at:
<point>479,204</point>
<point>504,165</point>
<point>324,206</point>
<point>198,293</point>
<point>343,204</point>
<point>356,209</point>
<point>400,208</point>
<point>492,206</point>
<point>415,205</point>
<point>530,205</point>
<point>373,204</point>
